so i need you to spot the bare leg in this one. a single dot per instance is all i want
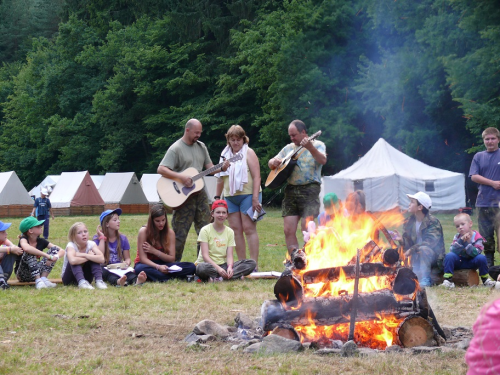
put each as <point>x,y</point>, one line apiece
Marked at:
<point>290,229</point>
<point>250,230</point>
<point>236,225</point>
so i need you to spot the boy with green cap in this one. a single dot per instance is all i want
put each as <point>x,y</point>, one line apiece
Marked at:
<point>332,206</point>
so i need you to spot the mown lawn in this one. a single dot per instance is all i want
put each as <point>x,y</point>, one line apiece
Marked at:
<point>140,330</point>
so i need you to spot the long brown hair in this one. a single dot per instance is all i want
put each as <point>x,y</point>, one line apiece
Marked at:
<point>105,231</point>
<point>153,236</point>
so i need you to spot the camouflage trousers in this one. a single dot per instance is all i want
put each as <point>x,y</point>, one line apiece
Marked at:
<point>487,225</point>
<point>196,209</point>
<point>301,200</point>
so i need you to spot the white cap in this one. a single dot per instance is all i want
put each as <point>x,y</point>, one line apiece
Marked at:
<point>44,191</point>
<point>422,198</point>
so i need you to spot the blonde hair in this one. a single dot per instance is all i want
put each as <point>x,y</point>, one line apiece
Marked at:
<point>73,229</point>
<point>359,198</point>
<point>492,131</point>
<point>238,132</point>
<point>463,215</point>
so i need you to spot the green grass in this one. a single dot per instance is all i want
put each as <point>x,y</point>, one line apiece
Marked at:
<point>70,331</point>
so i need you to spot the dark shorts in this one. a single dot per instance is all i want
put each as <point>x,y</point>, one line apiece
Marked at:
<point>301,200</point>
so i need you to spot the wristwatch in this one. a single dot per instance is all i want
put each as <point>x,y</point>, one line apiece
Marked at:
<point>217,197</point>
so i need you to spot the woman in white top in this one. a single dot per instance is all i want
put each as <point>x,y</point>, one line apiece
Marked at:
<point>242,191</point>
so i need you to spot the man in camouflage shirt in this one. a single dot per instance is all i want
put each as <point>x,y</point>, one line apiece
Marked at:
<point>422,239</point>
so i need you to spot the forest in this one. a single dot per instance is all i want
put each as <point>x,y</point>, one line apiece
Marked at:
<point>107,86</point>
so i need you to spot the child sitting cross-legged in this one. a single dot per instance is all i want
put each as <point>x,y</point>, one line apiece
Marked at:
<point>465,252</point>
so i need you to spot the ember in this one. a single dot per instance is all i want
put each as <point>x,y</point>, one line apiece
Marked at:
<point>349,283</point>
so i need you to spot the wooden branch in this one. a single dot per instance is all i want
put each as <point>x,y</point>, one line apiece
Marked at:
<point>333,274</point>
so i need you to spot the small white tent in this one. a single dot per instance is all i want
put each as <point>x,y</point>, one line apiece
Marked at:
<point>97,179</point>
<point>148,183</point>
<point>386,175</point>
<point>50,180</point>
<point>124,190</point>
<point>14,198</point>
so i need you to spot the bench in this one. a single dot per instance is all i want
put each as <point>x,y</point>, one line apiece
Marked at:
<point>15,282</point>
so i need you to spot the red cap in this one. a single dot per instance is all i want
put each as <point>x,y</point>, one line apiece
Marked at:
<point>219,203</point>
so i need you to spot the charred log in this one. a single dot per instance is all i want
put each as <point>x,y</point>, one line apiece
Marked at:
<point>390,257</point>
<point>333,274</point>
<point>299,259</point>
<point>405,282</point>
<point>335,310</point>
<point>288,289</point>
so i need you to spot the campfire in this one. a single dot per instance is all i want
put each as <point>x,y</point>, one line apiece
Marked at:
<point>351,281</point>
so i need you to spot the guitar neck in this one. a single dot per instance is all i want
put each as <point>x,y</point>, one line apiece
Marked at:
<point>311,138</point>
<point>206,172</point>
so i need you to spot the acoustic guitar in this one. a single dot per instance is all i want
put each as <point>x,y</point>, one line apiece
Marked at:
<point>278,176</point>
<point>173,193</point>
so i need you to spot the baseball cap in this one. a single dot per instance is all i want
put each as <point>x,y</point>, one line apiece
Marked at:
<point>4,226</point>
<point>422,198</point>
<point>219,203</point>
<point>118,211</point>
<point>330,200</point>
<point>29,223</point>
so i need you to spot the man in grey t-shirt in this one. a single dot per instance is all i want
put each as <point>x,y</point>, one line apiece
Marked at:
<point>185,153</point>
<point>485,170</point>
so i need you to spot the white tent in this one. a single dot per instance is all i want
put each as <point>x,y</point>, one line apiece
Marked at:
<point>386,175</point>
<point>12,190</point>
<point>50,180</point>
<point>122,188</point>
<point>75,189</point>
<point>148,183</point>
<point>97,179</point>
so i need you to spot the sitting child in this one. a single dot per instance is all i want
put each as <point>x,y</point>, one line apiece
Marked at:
<point>422,239</point>
<point>9,253</point>
<point>465,252</point>
<point>332,207</point>
<point>83,259</point>
<point>215,261</point>
<point>30,267</point>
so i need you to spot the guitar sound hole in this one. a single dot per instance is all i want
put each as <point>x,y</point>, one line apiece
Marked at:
<point>176,188</point>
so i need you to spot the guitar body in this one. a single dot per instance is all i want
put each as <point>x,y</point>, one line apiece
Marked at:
<point>278,176</point>
<point>173,193</point>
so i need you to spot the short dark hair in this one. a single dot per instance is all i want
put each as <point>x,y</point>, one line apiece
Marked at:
<point>299,125</point>
<point>425,211</point>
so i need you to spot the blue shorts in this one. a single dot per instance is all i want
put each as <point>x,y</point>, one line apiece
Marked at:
<point>240,203</point>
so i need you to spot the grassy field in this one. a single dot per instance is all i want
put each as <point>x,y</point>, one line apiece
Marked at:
<point>140,330</point>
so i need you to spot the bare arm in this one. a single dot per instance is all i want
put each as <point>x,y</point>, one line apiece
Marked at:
<point>73,259</point>
<point>316,154</point>
<point>229,261</point>
<point>219,187</point>
<point>32,250</point>
<point>10,248</point>
<point>485,181</point>
<point>274,162</point>
<point>253,165</point>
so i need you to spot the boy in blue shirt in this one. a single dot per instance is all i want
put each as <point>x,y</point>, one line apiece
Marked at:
<point>43,210</point>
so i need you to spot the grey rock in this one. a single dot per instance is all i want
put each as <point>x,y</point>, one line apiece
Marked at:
<point>252,348</point>
<point>326,351</point>
<point>394,349</point>
<point>235,347</point>
<point>276,344</point>
<point>206,338</point>
<point>232,329</point>
<point>243,321</point>
<point>197,345</point>
<point>463,345</point>
<point>349,349</point>
<point>336,344</point>
<point>425,349</point>
<point>209,327</point>
<point>192,337</point>
<point>447,331</point>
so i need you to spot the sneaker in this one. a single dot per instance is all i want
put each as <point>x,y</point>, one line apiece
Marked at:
<point>489,283</point>
<point>3,284</point>
<point>40,284</point>
<point>84,284</point>
<point>99,284</point>
<point>448,284</point>
<point>49,283</point>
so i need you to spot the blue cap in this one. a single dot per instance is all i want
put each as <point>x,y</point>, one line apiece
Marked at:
<point>117,211</point>
<point>4,226</point>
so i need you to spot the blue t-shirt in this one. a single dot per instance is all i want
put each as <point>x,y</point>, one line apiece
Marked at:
<point>113,253</point>
<point>42,206</point>
<point>487,164</point>
<point>324,218</point>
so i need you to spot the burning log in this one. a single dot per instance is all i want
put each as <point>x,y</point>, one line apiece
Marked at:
<point>288,289</point>
<point>416,331</point>
<point>299,259</point>
<point>335,310</point>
